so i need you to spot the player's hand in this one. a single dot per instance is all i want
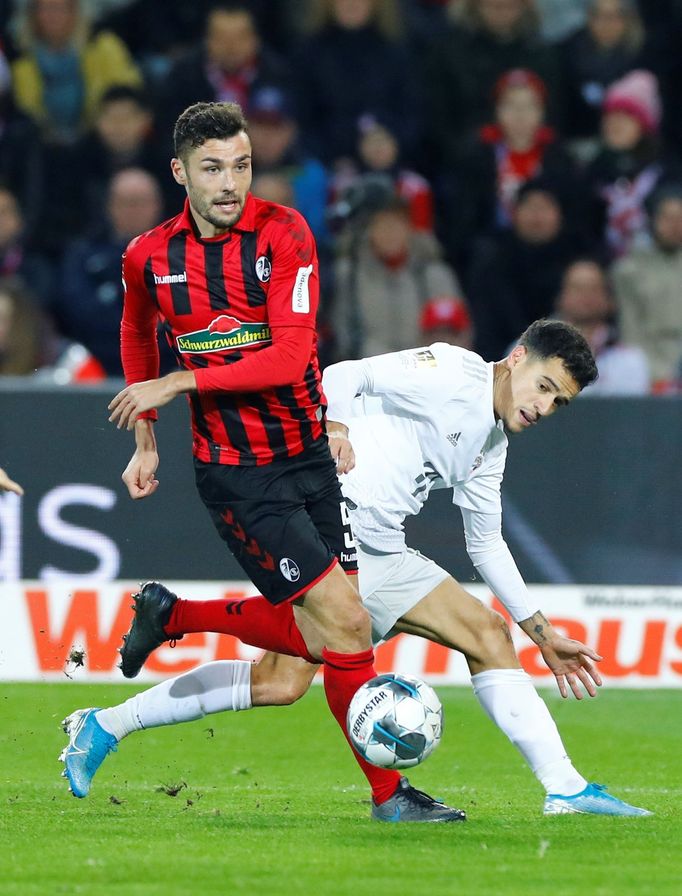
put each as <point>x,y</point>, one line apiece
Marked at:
<point>340,447</point>
<point>138,398</point>
<point>9,485</point>
<point>573,665</point>
<point>139,475</point>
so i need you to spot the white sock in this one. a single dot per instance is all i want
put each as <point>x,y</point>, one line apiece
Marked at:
<point>511,701</point>
<point>214,687</point>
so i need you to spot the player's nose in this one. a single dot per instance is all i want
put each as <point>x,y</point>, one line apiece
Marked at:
<point>545,405</point>
<point>229,184</point>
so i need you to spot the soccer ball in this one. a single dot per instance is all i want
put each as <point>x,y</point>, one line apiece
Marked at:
<point>395,721</point>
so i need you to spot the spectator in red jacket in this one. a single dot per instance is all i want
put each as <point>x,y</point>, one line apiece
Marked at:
<point>506,153</point>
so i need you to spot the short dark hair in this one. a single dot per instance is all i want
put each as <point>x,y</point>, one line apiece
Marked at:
<point>556,339</point>
<point>207,121</point>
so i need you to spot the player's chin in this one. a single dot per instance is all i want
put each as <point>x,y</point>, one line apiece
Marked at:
<point>513,426</point>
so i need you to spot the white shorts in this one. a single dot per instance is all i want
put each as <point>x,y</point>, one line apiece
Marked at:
<point>391,584</point>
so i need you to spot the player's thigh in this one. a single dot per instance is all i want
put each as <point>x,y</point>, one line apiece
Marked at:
<point>333,604</point>
<point>451,616</point>
<point>278,680</point>
<point>392,583</point>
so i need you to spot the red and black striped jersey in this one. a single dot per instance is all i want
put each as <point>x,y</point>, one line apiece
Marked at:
<point>219,300</point>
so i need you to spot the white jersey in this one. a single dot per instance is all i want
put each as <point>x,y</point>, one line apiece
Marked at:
<point>418,420</point>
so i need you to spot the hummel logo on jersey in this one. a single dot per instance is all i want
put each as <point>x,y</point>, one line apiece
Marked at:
<point>453,438</point>
<point>170,278</point>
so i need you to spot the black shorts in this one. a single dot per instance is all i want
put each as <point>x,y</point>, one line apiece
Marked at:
<point>286,523</point>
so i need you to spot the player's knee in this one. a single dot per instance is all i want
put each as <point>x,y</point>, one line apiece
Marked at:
<point>497,647</point>
<point>356,620</point>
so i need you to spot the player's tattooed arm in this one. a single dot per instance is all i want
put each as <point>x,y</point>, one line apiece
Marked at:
<point>538,628</point>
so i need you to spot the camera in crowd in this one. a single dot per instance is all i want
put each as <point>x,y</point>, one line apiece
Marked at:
<point>367,194</point>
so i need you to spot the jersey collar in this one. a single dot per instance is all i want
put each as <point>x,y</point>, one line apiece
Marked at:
<point>247,222</point>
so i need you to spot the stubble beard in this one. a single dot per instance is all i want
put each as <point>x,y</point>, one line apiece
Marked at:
<point>206,209</point>
<point>220,221</point>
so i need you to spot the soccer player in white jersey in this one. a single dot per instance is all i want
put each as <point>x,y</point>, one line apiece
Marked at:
<point>404,424</point>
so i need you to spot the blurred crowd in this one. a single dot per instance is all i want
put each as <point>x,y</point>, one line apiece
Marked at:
<point>466,166</point>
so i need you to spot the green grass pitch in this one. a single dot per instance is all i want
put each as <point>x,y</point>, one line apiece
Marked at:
<point>272,803</point>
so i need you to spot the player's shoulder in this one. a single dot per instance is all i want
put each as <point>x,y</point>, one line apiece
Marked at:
<point>439,357</point>
<point>461,358</point>
<point>275,217</point>
<point>142,246</point>
<point>467,375</point>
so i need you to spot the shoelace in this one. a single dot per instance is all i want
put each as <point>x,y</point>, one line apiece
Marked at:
<point>422,797</point>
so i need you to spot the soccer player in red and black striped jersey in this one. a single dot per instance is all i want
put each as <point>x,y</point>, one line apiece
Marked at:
<point>234,280</point>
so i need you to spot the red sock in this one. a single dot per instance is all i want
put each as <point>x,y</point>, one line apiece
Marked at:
<point>253,620</point>
<point>344,673</point>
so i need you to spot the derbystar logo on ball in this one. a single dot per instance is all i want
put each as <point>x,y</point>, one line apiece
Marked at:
<point>395,721</point>
<point>222,334</point>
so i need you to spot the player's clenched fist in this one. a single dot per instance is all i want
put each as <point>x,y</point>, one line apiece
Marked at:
<point>139,475</point>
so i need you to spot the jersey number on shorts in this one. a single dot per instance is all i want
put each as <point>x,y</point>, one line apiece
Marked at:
<point>348,540</point>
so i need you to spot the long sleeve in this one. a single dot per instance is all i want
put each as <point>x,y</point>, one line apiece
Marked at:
<point>139,345</point>
<point>493,560</point>
<point>342,383</point>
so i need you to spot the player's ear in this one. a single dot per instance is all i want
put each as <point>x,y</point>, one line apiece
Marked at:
<point>178,171</point>
<point>518,353</point>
